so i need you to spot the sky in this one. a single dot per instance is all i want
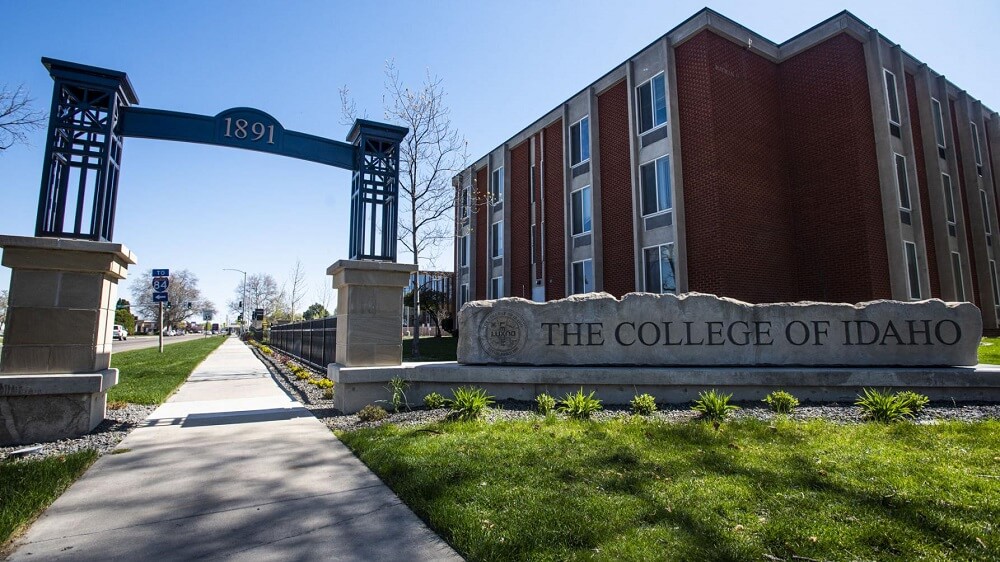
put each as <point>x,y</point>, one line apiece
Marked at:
<point>503,65</point>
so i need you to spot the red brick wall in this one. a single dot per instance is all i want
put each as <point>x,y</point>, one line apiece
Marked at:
<point>925,204</point>
<point>833,171</point>
<point>739,236</point>
<point>555,228</point>
<point>616,191</point>
<point>519,252</point>
<point>481,231</point>
<point>975,297</point>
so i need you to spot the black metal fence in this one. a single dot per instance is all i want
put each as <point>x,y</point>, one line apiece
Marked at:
<point>312,341</point>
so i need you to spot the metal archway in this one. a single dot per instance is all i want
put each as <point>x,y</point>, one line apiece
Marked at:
<point>94,109</point>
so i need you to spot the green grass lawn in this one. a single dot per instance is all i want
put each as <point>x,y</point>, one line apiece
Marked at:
<point>432,349</point>
<point>637,490</point>
<point>28,487</point>
<point>147,376</point>
<point>989,352</point>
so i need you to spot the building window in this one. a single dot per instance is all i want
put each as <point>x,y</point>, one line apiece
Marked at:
<point>949,198</point>
<point>652,96</point>
<point>531,189</point>
<point>956,267</point>
<point>993,278</point>
<point>912,275</point>
<point>891,97</point>
<point>659,266</point>
<point>531,240</point>
<point>655,179</point>
<point>978,150</point>
<point>463,251</point>
<point>986,212</point>
<point>496,287</point>
<point>496,186</point>
<point>465,203</point>
<point>579,137</point>
<point>583,277</point>
<point>582,211</point>
<point>901,184</point>
<point>496,239</point>
<point>463,295</point>
<point>938,123</point>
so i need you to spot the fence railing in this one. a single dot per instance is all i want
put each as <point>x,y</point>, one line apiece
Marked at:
<point>312,341</point>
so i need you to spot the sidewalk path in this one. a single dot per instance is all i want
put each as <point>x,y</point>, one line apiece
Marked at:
<point>230,468</point>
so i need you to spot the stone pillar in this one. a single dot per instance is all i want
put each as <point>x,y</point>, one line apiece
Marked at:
<point>55,364</point>
<point>369,311</point>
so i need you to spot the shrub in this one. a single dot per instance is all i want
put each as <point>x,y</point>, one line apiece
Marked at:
<point>579,405</point>
<point>882,406</point>
<point>643,404</point>
<point>265,350</point>
<point>116,404</point>
<point>714,405</point>
<point>328,393</point>
<point>323,383</point>
<point>781,402</point>
<point>469,403</point>
<point>302,374</point>
<point>546,404</point>
<point>434,401</point>
<point>371,413</point>
<point>398,386</point>
<point>914,401</point>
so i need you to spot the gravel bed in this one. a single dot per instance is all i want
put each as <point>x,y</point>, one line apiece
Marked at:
<point>104,438</point>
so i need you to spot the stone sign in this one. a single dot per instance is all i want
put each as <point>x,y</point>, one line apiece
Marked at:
<point>697,329</point>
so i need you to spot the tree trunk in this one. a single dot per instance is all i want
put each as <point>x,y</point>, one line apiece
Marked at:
<point>415,344</point>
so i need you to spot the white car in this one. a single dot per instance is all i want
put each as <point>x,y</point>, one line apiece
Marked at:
<point>120,333</point>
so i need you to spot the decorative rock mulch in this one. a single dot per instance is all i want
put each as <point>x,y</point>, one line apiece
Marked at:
<point>104,438</point>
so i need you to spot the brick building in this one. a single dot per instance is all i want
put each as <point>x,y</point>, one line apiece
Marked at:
<point>833,167</point>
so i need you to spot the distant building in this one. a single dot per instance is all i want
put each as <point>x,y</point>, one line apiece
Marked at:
<point>443,281</point>
<point>834,166</point>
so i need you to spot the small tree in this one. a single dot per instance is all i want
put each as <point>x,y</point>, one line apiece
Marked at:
<point>315,311</point>
<point>124,317</point>
<point>298,288</point>
<point>434,304</point>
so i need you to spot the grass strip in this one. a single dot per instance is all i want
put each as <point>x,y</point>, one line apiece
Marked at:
<point>637,490</point>
<point>432,349</point>
<point>28,486</point>
<point>989,352</point>
<point>147,376</point>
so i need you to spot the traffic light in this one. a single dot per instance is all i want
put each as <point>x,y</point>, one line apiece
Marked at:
<point>168,305</point>
<point>189,306</point>
<point>241,305</point>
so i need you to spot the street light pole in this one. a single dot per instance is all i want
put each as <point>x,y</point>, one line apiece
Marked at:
<point>244,295</point>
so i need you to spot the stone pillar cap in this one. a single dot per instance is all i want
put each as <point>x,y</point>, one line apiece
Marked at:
<point>38,243</point>
<point>388,267</point>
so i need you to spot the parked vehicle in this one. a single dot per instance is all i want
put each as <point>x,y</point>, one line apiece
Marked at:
<point>119,333</point>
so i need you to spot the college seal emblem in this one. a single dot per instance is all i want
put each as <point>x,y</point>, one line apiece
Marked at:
<point>502,334</point>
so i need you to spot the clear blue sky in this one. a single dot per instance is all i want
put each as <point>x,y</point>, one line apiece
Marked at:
<point>504,64</point>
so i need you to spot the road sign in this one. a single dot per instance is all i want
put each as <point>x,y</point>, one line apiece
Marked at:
<point>160,284</point>
<point>161,273</point>
<point>159,297</point>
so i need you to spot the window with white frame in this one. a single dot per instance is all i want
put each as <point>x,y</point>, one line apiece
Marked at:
<point>581,211</point>
<point>654,178</point>
<point>652,101</point>
<point>892,98</point>
<point>975,144</point>
<point>949,198</point>
<point>496,287</point>
<point>463,294</point>
<point>956,269</point>
<point>531,185</point>
<point>579,138</point>
<point>463,251</point>
<point>583,277</point>
<point>993,278</point>
<point>658,263</point>
<point>984,203</point>
<point>912,273</point>
<point>901,184</point>
<point>938,123</point>
<point>465,203</point>
<point>496,186</point>
<point>496,239</point>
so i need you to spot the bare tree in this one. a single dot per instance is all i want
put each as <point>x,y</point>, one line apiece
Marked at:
<point>17,118</point>
<point>324,294</point>
<point>298,290</point>
<point>182,293</point>
<point>261,292</point>
<point>430,155</point>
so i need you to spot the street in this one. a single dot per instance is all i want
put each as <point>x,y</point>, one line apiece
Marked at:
<point>142,342</point>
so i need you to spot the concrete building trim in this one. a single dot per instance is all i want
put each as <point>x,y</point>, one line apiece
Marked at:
<point>925,225</point>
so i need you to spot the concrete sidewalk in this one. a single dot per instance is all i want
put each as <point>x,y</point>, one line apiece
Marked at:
<point>230,468</point>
